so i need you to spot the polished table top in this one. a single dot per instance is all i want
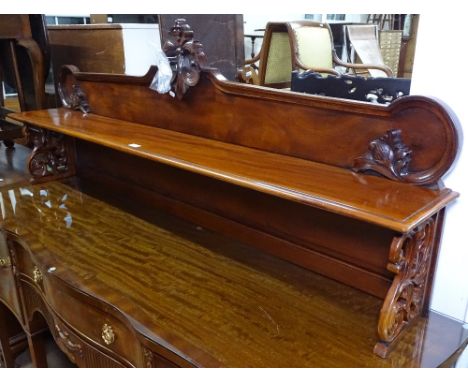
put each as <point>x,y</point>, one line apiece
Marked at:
<point>212,299</point>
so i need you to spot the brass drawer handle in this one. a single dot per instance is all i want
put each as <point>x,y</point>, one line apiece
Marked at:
<point>107,334</point>
<point>5,262</point>
<point>37,275</point>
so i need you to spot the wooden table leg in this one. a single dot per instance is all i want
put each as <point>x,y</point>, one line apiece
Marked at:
<point>5,348</point>
<point>37,349</point>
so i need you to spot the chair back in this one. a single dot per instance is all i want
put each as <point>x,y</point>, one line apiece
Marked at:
<point>297,45</point>
<point>275,57</point>
<point>365,44</point>
<point>312,45</point>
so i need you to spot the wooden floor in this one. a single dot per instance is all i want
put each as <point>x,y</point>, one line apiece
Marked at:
<point>13,170</point>
<point>13,165</point>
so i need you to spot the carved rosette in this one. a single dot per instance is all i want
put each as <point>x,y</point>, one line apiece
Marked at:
<point>387,155</point>
<point>50,156</point>
<point>410,260</point>
<point>186,57</point>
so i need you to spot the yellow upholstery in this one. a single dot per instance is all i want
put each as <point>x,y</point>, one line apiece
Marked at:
<point>296,45</point>
<point>278,65</point>
<point>314,47</point>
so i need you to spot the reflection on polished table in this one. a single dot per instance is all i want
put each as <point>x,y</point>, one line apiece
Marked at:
<point>228,225</point>
<point>214,301</point>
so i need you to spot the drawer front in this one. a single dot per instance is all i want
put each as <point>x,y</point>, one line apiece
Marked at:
<point>154,360</point>
<point>25,265</point>
<point>96,325</point>
<point>101,339</point>
<point>8,291</point>
<point>78,351</point>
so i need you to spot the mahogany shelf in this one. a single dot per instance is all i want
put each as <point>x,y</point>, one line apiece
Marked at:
<point>393,205</point>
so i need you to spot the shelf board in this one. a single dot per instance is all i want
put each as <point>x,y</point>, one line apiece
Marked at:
<point>394,205</point>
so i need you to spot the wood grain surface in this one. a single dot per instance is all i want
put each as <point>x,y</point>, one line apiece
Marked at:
<point>393,205</point>
<point>214,300</point>
<point>321,129</point>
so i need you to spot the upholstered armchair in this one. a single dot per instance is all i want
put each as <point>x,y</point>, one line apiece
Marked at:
<point>272,65</point>
<point>298,45</point>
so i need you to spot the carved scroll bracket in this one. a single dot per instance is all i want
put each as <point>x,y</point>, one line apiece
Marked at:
<point>186,57</point>
<point>70,92</point>
<point>410,260</point>
<point>387,155</point>
<point>52,155</point>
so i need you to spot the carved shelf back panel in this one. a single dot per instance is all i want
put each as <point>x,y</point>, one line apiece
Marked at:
<point>300,125</point>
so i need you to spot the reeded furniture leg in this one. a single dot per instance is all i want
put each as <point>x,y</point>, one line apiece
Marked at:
<point>410,259</point>
<point>37,349</point>
<point>5,348</point>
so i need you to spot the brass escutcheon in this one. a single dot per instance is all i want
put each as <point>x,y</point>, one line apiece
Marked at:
<point>5,262</point>
<point>108,334</point>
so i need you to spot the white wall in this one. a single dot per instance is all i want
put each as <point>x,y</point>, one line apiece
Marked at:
<point>254,21</point>
<point>439,71</point>
<point>141,43</point>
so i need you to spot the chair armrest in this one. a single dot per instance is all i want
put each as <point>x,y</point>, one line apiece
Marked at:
<point>300,65</point>
<point>249,71</point>
<point>383,68</point>
<point>252,60</point>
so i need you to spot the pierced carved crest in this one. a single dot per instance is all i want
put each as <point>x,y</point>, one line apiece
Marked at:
<point>186,57</point>
<point>50,157</point>
<point>387,155</point>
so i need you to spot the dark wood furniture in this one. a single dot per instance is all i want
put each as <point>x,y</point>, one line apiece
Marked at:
<point>368,89</point>
<point>253,37</point>
<point>276,190</point>
<point>104,48</point>
<point>222,36</point>
<point>24,59</point>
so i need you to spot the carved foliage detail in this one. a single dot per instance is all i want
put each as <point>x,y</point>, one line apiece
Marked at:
<point>73,349</point>
<point>410,259</point>
<point>387,155</point>
<point>50,156</point>
<point>77,100</point>
<point>186,57</point>
<point>149,358</point>
<point>70,92</point>
<point>155,360</point>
